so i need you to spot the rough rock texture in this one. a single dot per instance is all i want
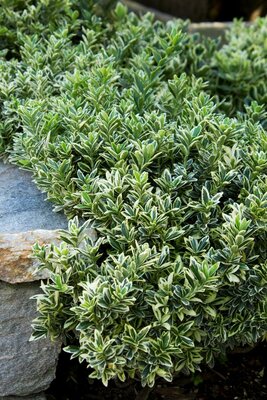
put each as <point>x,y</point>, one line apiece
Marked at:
<point>22,205</point>
<point>39,396</point>
<point>211,29</point>
<point>25,367</point>
<point>16,263</point>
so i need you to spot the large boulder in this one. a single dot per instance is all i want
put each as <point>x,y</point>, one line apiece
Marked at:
<point>22,206</point>
<point>26,367</point>
<point>39,396</point>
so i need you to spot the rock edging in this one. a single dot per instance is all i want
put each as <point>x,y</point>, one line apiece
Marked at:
<point>16,262</point>
<point>25,367</point>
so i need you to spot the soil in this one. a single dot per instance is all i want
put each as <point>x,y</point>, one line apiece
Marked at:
<point>242,376</point>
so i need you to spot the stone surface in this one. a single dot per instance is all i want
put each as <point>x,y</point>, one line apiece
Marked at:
<point>25,218</point>
<point>22,205</point>
<point>39,396</point>
<point>16,263</point>
<point>25,367</point>
<point>211,29</point>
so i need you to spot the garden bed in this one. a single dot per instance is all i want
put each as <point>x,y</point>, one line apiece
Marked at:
<point>156,138</point>
<point>242,376</point>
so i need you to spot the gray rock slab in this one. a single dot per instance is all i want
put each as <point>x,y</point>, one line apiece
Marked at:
<point>210,29</point>
<point>25,367</point>
<point>22,205</point>
<point>39,396</point>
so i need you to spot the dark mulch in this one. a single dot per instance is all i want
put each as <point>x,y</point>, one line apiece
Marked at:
<point>243,376</point>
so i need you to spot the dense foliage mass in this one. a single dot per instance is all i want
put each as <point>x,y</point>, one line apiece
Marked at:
<point>238,71</point>
<point>122,123</point>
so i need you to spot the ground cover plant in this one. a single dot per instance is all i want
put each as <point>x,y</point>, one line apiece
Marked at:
<point>122,123</point>
<point>238,69</point>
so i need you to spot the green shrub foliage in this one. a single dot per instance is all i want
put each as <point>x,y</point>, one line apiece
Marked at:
<point>118,123</point>
<point>32,17</point>
<point>238,72</point>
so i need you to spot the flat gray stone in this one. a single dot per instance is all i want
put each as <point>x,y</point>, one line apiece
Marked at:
<point>22,205</point>
<point>39,396</point>
<point>25,367</point>
<point>210,29</point>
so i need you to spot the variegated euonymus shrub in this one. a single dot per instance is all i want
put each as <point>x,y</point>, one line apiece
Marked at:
<point>118,131</point>
<point>238,72</point>
<point>235,68</point>
<point>33,17</point>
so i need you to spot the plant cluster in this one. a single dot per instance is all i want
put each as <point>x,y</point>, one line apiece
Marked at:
<point>122,124</point>
<point>238,72</point>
